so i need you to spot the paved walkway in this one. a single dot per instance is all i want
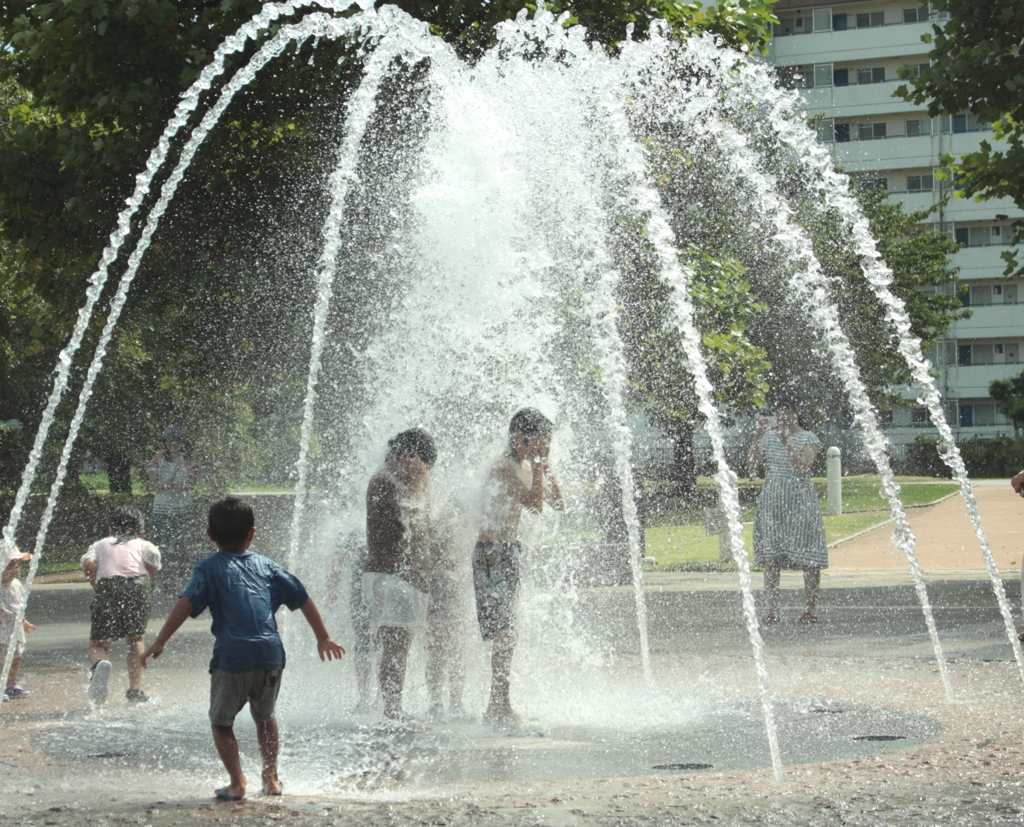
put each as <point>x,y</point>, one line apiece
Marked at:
<point>945,536</point>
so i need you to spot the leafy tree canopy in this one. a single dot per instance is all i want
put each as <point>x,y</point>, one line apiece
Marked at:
<point>977,66</point>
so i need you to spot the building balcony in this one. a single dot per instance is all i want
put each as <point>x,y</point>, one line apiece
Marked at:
<point>879,42</point>
<point>857,100</point>
<point>972,382</point>
<point>894,152</point>
<point>983,263</point>
<point>990,321</point>
<point>967,209</point>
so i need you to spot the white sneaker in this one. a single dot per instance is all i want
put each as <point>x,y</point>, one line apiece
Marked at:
<point>100,682</point>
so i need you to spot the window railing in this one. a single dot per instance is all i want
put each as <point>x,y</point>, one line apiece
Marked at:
<point>854,139</point>
<point>853,28</point>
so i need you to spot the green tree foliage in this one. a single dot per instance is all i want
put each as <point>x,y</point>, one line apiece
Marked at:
<point>1009,395</point>
<point>977,66</point>
<point>922,277</point>
<point>86,87</point>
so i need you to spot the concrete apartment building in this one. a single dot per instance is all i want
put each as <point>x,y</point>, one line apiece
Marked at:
<point>844,56</point>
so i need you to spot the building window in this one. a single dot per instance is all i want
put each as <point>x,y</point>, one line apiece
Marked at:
<point>914,70</point>
<point>920,183</point>
<point>842,131</point>
<point>919,126</point>
<point>966,416</point>
<point>871,183</point>
<point>920,416</point>
<point>982,354</point>
<point>981,296</point>
<point>963,355</point>
<point>962,236</point>
<point>839,22</point>
<point>958,124</point>
<point>984,415</point>
<point>822,75</point>
<point>867,21</point>
<point>870,131</point>
<point>918,15</point>
<point>980,236</point>
<point>822,20</point>
<point>876,75</point>
<point>790,77</point>
<point>840,77</point>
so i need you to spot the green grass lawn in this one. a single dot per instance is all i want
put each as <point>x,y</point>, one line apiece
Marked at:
<point>677,540</point>
<point>863,493</point>
<point>687,546</point>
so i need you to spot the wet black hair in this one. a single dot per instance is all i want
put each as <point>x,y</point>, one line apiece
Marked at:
<point>528,422</point>
<point>127,523</point>
<point>229,521</point>
<point>415,441</point>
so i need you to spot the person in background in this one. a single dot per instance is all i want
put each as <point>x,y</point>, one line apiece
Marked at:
<point>120,568</point>
<point>789,531</point>
<point>1017,481</point>
<point>446,616</point>
<point>172,474</point>
<point>12,597</point>
<point>396,576</point>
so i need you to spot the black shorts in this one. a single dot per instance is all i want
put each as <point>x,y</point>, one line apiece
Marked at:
<point>120,607</point>
<point>496,585</point>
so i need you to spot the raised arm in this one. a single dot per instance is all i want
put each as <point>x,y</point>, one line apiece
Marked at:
<point>756,454</point>
<point>324,645</point>
<point>179,614</point>
<point>553,494</point>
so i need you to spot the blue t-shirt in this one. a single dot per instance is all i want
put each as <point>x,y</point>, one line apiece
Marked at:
<point>244,591</point>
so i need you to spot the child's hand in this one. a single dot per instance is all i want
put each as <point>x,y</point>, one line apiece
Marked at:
<point>28,626</point>
<point>154,650</point>
<point>330,649</point>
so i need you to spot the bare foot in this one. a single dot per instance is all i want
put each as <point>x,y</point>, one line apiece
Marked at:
<point>271,784</point>
<point>502,717</point>
<point>771,618</point>
<point>808,617</point>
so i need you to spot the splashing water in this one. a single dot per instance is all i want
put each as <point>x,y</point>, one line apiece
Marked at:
<point>501,285</point>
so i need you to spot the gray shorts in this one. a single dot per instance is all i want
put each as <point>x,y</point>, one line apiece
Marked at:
<point>496,584</point>
<point>230,691</point>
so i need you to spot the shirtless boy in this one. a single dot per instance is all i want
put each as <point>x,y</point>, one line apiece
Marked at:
<point>396,584</point>
<point>518,479</point>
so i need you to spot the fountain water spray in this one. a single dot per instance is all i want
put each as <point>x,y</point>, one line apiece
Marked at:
<point>501,284</point>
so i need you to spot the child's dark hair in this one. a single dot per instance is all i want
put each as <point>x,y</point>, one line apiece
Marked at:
<point>127,523</point>
<point>528,422</point>
<point>229,522</point>
<point>415,441</point>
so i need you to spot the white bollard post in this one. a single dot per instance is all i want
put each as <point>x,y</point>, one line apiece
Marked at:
<point>834,481</point>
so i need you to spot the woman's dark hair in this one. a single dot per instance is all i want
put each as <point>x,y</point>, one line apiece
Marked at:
<point>127,523</point>
<point>415,441</point>
<point>229,521</point>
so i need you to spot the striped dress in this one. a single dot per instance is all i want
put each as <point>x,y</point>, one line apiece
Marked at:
<point>788,524</point>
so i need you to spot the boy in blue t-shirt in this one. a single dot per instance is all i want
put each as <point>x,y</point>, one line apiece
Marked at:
<point>243,591</point>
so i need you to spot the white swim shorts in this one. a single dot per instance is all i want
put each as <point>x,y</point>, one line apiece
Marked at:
<point>392,601</point>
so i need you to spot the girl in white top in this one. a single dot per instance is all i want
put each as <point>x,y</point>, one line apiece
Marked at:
<point>121,569</point>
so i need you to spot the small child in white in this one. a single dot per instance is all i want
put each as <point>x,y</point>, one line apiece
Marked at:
<point>121,569</point>
<point>12,596</point>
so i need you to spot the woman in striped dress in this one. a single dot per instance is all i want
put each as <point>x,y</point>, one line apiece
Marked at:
<point>788,529</point>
